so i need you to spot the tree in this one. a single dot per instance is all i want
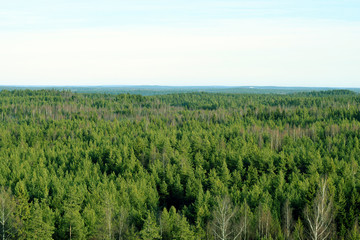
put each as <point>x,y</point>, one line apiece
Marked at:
<point>174,226</point>
<point>90,221</point>
<point>150,229</point>
<point>121,221</point>
<point>41,225</point>
<point>320,216</point>
<point>182,230</point>
<point>108,211</point>
<point>73,223</point>
<point>287,220</point>
<point>298,233</point>
<point>264,221</point>
<point>354,234</point>
<point>22,208</point>
<point>165,225</point>
<point>223,219</point>
<point>8,220</point>
<point>244,221</point>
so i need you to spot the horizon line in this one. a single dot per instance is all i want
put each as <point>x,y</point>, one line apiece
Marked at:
<point>177,86</point>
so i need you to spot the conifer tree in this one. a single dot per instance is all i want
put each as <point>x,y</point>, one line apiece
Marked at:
<point>150,229</point>
<point>40,224</point>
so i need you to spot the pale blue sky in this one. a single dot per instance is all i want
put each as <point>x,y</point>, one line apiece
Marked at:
<point>173,42</point>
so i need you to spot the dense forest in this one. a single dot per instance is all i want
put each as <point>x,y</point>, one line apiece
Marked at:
<point>179,166</point>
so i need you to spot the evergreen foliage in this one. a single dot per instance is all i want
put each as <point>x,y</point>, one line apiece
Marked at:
<point>178,166</point>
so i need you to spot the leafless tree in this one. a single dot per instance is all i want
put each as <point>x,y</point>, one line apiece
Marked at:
<point>109,208</point>
<point>244,222</point>
<point>224,219</point>
<point>287,220</point>
<point>121,222</point>
<point>106,221</point>
<point>7,218</point>
<point>264,221</point>
<point>319,218</point>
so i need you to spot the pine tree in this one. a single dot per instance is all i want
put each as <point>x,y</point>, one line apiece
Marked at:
<point>150,229</point>
<point>72,221</point>
<point>41,222</point>
<point>298,233</point>
<point>23,208</point>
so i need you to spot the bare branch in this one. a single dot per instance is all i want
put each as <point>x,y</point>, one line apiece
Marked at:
<point>320,216</point>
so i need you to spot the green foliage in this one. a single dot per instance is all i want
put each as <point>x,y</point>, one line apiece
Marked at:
<point>150,229</point>
<point>101,166</point>
<point>174,226</point>
<point>298,233</point>
<point>41,224</point>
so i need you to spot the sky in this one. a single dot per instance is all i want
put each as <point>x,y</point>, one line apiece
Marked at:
<point>313,43</point>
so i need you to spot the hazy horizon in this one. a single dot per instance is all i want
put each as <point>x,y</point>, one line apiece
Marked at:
<point>180,86</point>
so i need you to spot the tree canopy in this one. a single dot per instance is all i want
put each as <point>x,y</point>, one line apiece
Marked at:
<point>178,166</point>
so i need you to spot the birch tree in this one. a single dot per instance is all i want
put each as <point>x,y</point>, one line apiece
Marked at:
<point>244,222</point>
<point>108,216</point>
<point>224,224</point>
<point>320,216</point>
<point>287,220</point>
<point>7,215</point>
<point>121,220</point>
<point>264,221</point>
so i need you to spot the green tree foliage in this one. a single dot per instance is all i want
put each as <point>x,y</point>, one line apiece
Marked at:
<point>174,226</point>
<point>72,223</point>
<point>102,166</point>
<point>41,223</point>
<point>150,229</point>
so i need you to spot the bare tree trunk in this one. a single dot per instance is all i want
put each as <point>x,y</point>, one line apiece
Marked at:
<point>223,219</point>
<point>108,217</point>
<point>3,218</point>
<point>288,221</point>
<point>243,224</point>
<point>122,221</point>
<point>6,211</point>
<point>264,221</point>
<point>245,221</point>
<point>320,216</point>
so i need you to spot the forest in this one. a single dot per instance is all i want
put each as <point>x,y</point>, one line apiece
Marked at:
<point>179,166</point>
